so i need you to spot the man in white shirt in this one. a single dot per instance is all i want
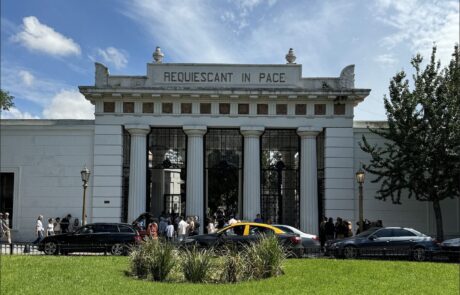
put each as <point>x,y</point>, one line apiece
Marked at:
<point>182,228</point>
<point>39,229</point>
<point>232,220</point>
<point>169,231</point>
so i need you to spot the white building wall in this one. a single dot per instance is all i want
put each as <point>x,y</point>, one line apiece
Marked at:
<point>339,174</point>
<point>411,213</point>
<point>46,158</point>
<point>108,169</point>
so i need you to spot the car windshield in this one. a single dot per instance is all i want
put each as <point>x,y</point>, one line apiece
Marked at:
<point>367,233</point>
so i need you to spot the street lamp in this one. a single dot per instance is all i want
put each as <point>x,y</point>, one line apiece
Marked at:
<point>85,178</point>
<point>360,179</point>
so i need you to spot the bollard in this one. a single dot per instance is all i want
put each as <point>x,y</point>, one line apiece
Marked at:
<point>26,249</point>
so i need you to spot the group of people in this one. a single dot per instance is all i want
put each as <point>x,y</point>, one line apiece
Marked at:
<point>169,226</point>
<point>55,226</point>
<point>328,230</point>
<point>5,231</point>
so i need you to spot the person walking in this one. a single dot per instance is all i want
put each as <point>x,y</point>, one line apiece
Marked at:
<point>39,229</point>
<point>5,224</point>
<point>50,228</point>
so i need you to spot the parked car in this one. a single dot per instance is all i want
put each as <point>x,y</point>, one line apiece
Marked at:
<point>309,242</point>
<point>387,241</point>
<point>244,233</point>
<point>451,249</point>
<point>115,238</point>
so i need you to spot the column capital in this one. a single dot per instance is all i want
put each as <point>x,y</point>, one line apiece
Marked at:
<point>254,131</point>
<point>195,130</point>
<point>138,129</point>
<point>308,131</point>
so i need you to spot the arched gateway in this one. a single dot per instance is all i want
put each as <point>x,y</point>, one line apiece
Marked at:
<point>243,138</point>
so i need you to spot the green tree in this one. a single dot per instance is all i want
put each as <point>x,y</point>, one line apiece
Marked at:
<point>6,100</point>
<point>422,154</point>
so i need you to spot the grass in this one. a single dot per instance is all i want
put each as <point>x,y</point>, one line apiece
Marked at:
<point>106,275</point>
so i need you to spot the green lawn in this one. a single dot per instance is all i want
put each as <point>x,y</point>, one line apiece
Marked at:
<point>106,275</point>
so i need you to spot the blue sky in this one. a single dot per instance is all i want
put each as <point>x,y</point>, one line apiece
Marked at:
<point>48,47</point>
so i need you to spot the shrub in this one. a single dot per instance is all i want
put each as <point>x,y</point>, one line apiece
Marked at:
<point>138,263</point>
<point>265,258</point>
<point>155,257</point>
<point>233,267</point>
<point>196,265</point>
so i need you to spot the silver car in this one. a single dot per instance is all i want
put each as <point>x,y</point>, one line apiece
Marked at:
<point>310,242</point>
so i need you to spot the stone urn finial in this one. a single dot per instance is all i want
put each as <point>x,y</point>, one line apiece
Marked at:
<point>290,57</point>
<point>158,55</point>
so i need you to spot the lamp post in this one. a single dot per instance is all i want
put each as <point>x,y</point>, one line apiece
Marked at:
<point>85,178</point>
<point>360,179</point>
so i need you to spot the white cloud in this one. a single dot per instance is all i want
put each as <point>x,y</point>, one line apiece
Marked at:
<point>14,113</point>
<point>114,56</point>
<point>386,60</point>
<point>27,77</point>
<point>419,23</point>
<point>36,36</point>
<point>69,104</point>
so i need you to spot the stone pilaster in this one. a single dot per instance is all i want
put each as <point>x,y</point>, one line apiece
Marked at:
<point>137,170</point>
<point>251,172</point>
<point>308,180</point>
<point>195,173</point>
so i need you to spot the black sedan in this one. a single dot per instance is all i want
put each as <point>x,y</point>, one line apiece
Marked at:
<point>97,237</point>
<point>244,233</point>
<point>451,249</point>
<point>387,241</point>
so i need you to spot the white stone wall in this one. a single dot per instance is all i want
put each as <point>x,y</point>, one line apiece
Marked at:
<point>46,158</point>
<point>108,160</point>
<point>339,174</point>
<point>412,213</point>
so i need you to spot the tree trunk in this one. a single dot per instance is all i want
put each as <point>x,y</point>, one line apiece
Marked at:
<point>438,216</point>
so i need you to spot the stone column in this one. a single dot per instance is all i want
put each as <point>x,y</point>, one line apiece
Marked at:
<point>251,172</point>
<point>137,170</point>
<point>195,173</point>
<point>308,180</point>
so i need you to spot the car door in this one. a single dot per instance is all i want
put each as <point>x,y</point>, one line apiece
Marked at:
<point>107,235</point>
<point>378,243</point>
<point>234,236</point>
<point>257,231</point>
<point>403,241</point>
<point>81,239</point>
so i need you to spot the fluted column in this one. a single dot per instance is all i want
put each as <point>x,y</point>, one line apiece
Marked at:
<point>195,173</point>
<point>251,172</point>
<point>137,170</point>
<point>308,180</point>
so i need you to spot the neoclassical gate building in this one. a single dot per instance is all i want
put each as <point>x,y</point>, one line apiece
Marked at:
<point>248,139</point>
<point>194,138</point>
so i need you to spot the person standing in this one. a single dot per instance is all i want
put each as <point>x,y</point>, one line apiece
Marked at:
<point>57,226</point>
<point>191,225</point>
<point>65,223</point>
<point>330,229</point>
<point>39,229</point>
<point>170,231</point>
<point>152,229</point>
<point>211,228</point>
<point>6,227</point>
<point>322,231</point>
<point>182,228</point>
<point>258,218</point>
<point>2,233</point>
<point>50,228</point>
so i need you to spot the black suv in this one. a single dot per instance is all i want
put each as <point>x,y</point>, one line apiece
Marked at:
<point>115,238</point>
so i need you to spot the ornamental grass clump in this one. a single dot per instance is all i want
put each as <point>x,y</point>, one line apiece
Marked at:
<point>154,257</point>
<point>138,263</point>
<point>233,267</point>
<point>196,265</point>
<point>264,259</point>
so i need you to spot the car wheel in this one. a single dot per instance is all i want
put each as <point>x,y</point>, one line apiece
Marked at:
<point>350,252</point>
<point>117,249</point>
<point>50,248</point>
<point>419,254</point>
